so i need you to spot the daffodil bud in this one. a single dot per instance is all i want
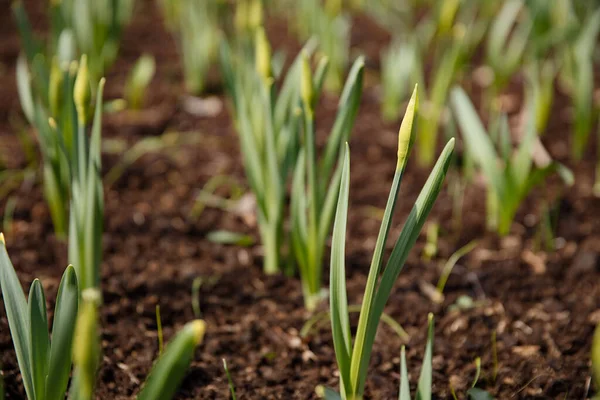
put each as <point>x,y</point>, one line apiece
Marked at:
<point>86,345</point>
<point>255,14</point>
<point>82,91</point>
<point>241,15</point>
<point>447,15</point>
<point>306,83</point>
<point>406,133</point>
<point>333,7</point>
<point>263,55</point>
<point>199,328</point>
<point>55,88</point>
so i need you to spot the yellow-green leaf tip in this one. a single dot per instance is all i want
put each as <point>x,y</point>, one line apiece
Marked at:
<point>81,90</point>
<point>306,83</point>
<point>2,241</point>
<point>263,55</point>
<point>406,132</point>
<point>320,391</point>
<point>199,328</point>
<point>596,356</point>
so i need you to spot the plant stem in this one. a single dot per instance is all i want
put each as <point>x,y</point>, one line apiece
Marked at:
<point>270,241</point>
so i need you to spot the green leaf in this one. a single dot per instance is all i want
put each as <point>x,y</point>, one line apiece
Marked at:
<point>425,379</point>
<point>171,366</point>
<point>328,393</point>
<point>30,44</point>
<point>479,394</point>
<point>63,330</point>
<point>477,140</point>
<point>24,88</point>
<point>346,114</point>
<point>299,231</point>
<point>340,323</point>
<point>229,237</point>
<point>18,317</point>
<point>596,356</point>
<point>404,383</point>
<point>39,341</point>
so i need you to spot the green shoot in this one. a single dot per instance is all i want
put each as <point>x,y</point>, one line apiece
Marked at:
<point>86,347</point>
<point>195,25</point>
<point>449,265</point>
<point>495,355</point>
<point>166,374</point>
<point>398,64</point>
<point>431,245</point>
<point>353,355</point>
<point>96,26</point>
<point>138,81</point>
<point>159,330</point>
<point>315,185</point>
<point>41,360</point>
<point>229,381</point>
<point>425,379</point>
<point>541,91</point>
<point>196,284</point>
<point>507,41</point>
<point>510,177</point>
<point>331,28</point>
<point>577,74</point>
<point>87,204</point>
<point>171,366</point>
<point>596,357</point>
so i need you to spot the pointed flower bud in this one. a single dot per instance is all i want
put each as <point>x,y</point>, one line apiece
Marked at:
<point>263,55</point>
<point>407,128</point>
<point>82,91</point>
<point>306,83</point>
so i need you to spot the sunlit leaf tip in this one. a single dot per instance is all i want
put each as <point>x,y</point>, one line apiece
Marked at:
<point>405,134</point>
<point>199,328</point>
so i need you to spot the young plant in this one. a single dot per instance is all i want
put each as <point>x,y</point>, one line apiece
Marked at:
<point>316,183</point>
<point>86,213</point>
<point>45,87</point>
<point>507,42</point>
<point>577,74</point>
<point>541,77</point>
<point>166,374</point>
<point>510,177</point>
<point>45,364</point>
<point>431,113</point>
<point>426,378</point>
<point>331,28</point>
<point>353,355</point>
<point>96,25</point>
<point>399,61</point>
<point>138,81</point>
<point>269,130</point>
<point>196,26</point>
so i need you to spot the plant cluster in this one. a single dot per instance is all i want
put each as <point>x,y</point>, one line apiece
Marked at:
<point>301,191</point>
<point>277,135</point>
<point>550,44</point>
<point>353,355</point>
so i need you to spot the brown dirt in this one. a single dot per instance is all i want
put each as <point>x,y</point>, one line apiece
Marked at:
<point>153,250</point>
